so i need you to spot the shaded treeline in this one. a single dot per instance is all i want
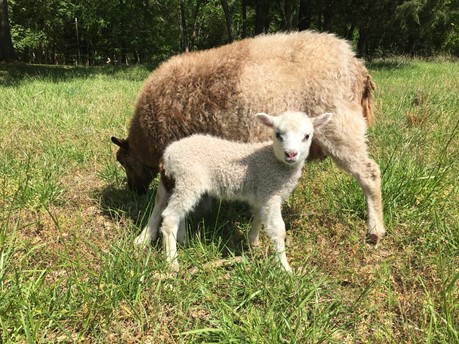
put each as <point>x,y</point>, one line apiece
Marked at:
<point>140,31</point>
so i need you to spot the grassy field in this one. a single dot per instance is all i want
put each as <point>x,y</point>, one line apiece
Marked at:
<point>69,271</point>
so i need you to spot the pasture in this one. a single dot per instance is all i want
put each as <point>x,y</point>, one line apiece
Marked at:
<point>69,271</point>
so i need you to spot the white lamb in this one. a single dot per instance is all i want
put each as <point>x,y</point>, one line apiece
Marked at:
<point>250,172</point>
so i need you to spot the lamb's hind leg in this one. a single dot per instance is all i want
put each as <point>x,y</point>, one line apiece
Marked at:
<point>347,146</point>
<point>255,226</point>
<point>150,231</point>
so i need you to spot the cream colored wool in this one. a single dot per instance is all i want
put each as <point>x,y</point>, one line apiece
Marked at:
<point>218,91</point>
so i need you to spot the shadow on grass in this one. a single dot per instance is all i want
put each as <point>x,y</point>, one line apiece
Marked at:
<point>12,75</point>
<point>389,64</point>
<point>116,203</point>
<point>220,224</point>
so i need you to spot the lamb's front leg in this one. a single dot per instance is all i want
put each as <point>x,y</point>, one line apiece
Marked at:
<point>150,231</point>
<point>169,229</point>
<point>275,228</point>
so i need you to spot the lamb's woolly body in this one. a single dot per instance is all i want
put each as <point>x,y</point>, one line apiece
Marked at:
<point>262,174</point>
<point>229,170</point>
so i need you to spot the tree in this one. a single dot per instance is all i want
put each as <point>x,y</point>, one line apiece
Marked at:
<point>228,19</point>
<point>424,23</point>
<point>183,27</point>
<point>7,52</point>
<point>286,8</point>
<point>305,15</point>
<point>244,18</point>
<point>140,31</point>
<point>261,16</point>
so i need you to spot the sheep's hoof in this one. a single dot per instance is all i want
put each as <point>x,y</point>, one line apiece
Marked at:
<point>374,239</point>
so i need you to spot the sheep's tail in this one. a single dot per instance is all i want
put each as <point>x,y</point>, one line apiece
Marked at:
<point>368,100</point>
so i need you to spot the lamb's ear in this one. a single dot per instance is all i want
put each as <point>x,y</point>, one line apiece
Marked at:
<point>265,119</point>
<point>120,142</point>
<point>321,120</point>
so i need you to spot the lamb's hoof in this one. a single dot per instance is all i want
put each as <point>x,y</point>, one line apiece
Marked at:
<point>141,241</point>
<point>289,270</point>
<point>254,243</point>
<point>174,267</point>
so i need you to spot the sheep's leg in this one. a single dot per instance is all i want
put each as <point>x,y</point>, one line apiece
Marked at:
<point>344,140</point>
<point>173,217</point>
<point>150,231</point>
<point>368,175</point>
<point>275,228</point>
<point>255,227</point>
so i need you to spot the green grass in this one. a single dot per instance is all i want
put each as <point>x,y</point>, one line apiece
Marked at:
<point>69,271</point>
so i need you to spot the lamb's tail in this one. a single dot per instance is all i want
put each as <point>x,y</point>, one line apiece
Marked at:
<point>368,100</point>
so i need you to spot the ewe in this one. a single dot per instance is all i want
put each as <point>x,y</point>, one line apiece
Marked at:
<point>261,174</point>
<point>217,92</point>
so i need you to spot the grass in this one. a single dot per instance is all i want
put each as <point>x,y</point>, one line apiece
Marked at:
<point>69,271</point>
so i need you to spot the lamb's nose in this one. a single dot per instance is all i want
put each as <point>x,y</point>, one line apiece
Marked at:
<point>291,155</point>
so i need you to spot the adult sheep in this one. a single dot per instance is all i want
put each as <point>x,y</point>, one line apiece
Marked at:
<point>218,91</point>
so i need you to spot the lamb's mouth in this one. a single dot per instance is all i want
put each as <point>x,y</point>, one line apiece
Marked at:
<point>290,161</point>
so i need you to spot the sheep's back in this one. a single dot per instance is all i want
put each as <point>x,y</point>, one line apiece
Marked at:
<point>303,71</point>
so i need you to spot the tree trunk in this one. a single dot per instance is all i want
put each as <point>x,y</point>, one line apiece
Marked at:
<point>194,34</point>
<point>183,28</point>
<point>327,12</point>
<point>244,18</point>
<point>286,8</point>
<point>261,16</point>
<point>350,32</point>
<point>364,35</point>
<point>229,19</point>
<point>305,15</point>
<point>7,52</point>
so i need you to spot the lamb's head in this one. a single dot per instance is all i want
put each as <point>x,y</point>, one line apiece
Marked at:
<point>139,176</point>
<point>292,134</point>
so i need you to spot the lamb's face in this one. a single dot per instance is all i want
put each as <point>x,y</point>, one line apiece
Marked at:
<point>292,134</point>
<point>138,175</point>
<point>292,139</point>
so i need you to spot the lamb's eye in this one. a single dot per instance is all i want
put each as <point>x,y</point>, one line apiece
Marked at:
<point>306,137</point>
<point>278,135</point>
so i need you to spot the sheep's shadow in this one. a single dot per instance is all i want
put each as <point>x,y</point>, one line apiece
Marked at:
<point>220,223</point>
<point>11,75</point>
<point>116,203</point>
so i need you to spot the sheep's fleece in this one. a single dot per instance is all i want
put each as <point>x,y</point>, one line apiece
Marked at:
<point>218,91</point>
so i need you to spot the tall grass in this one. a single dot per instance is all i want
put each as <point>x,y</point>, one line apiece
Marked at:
<point>69,271</point>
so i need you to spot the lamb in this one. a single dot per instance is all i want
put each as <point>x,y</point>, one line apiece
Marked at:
<point>218,91</point>
<point>262,174</point>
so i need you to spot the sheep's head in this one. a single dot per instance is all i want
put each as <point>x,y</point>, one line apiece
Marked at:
<point>139,176</point>
<point>292,134</point>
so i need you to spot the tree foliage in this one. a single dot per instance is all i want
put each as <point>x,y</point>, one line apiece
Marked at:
<point>137,31</point>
